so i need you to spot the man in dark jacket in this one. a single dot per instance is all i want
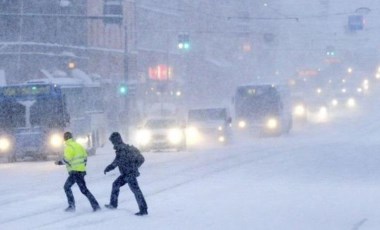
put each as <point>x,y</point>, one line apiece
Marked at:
<point>128,168</point>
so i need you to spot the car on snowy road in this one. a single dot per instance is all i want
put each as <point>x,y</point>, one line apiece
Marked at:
<point>208,125</point>
<point>161,134</point>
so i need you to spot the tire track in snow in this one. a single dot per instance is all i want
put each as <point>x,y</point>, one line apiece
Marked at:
<point>359,224</point>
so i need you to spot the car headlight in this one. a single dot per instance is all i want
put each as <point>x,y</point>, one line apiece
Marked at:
<point>272,123</point>
<point>82,140</point>
<point>322,113</point>
<point>221,139</point>
<point>220,128</point>
<point>365,84</point>
<point>175,136</point>
<point>193,135</point>
<point>56,140</point>
<point>242,124</point>
<point>299,110</point>
<point>143,137</point>
<point>351,103</point>
<point>5,144</point>
<point>334,102</point>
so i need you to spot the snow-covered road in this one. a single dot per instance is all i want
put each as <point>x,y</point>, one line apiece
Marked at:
<point>323,176</point>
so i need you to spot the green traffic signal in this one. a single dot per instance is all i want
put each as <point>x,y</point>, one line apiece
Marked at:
<point>123,89</point>
<point>186,46</point>
<point>183,42</point>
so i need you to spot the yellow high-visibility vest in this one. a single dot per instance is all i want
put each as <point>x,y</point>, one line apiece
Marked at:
<point>75,156</point>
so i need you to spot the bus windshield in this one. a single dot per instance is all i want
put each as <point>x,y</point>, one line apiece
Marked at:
<point>257,101</point>
<point>32,106</point>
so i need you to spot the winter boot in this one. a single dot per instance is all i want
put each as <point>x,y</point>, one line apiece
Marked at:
<point>110,206</point>
<point>70,209</point>
<point>142,213</point>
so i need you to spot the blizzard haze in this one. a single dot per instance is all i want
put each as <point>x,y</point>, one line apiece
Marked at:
<point>298,138</point>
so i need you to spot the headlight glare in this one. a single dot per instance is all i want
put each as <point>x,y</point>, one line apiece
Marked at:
<point>5,144</point>
<point>56,140</point>
<point>143,137</point>
<point>175,136</point>
<point>272,123</point>
<point>299,110</point>
<point>322,113</point>
<point>334,102</point>
<point>351,103</point>
<point>242,124</point>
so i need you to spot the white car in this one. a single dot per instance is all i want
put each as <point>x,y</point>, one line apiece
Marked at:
<point>208,125</point>
<point>161,134</point>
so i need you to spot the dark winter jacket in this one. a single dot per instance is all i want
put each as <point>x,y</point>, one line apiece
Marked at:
<point>124,160</point>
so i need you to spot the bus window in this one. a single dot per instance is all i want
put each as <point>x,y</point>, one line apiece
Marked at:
<point>48,112</point>
<point>12,114</point>
<point>75,101</point>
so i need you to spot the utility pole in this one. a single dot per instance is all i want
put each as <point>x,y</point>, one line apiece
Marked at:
<point>21,25</point>
<point>129,65</point>
<point>126,113</point>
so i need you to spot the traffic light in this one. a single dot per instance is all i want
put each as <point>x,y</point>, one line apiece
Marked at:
<point>330,51</point>
<point>127,89</point>
<point>183,42</point>
<point>123,89</point>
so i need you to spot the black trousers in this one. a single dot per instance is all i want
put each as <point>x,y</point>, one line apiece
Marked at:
<point>78,177</point>
<point>133,185</point>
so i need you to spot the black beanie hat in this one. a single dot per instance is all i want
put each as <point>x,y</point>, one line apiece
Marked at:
<point>67,135</point>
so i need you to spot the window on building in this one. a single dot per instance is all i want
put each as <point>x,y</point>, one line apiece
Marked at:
<point>113,12</point>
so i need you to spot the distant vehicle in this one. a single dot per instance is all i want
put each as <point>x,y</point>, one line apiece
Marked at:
<point>161,134</point>
<point>318,112</point>
<point>208,125</point>
<point>34,116</point>
<point>263,109</point>
<point>299,108</point>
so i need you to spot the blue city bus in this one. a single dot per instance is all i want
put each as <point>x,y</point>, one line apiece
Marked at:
<point>34,116</point>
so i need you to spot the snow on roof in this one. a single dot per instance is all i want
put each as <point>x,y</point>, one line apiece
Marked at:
<point>59,77</point>
<point>79,74</point>
<point>62,81</point>
<point>59,73</point>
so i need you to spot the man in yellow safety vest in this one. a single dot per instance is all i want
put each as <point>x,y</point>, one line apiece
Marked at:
<point>75,159</point>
